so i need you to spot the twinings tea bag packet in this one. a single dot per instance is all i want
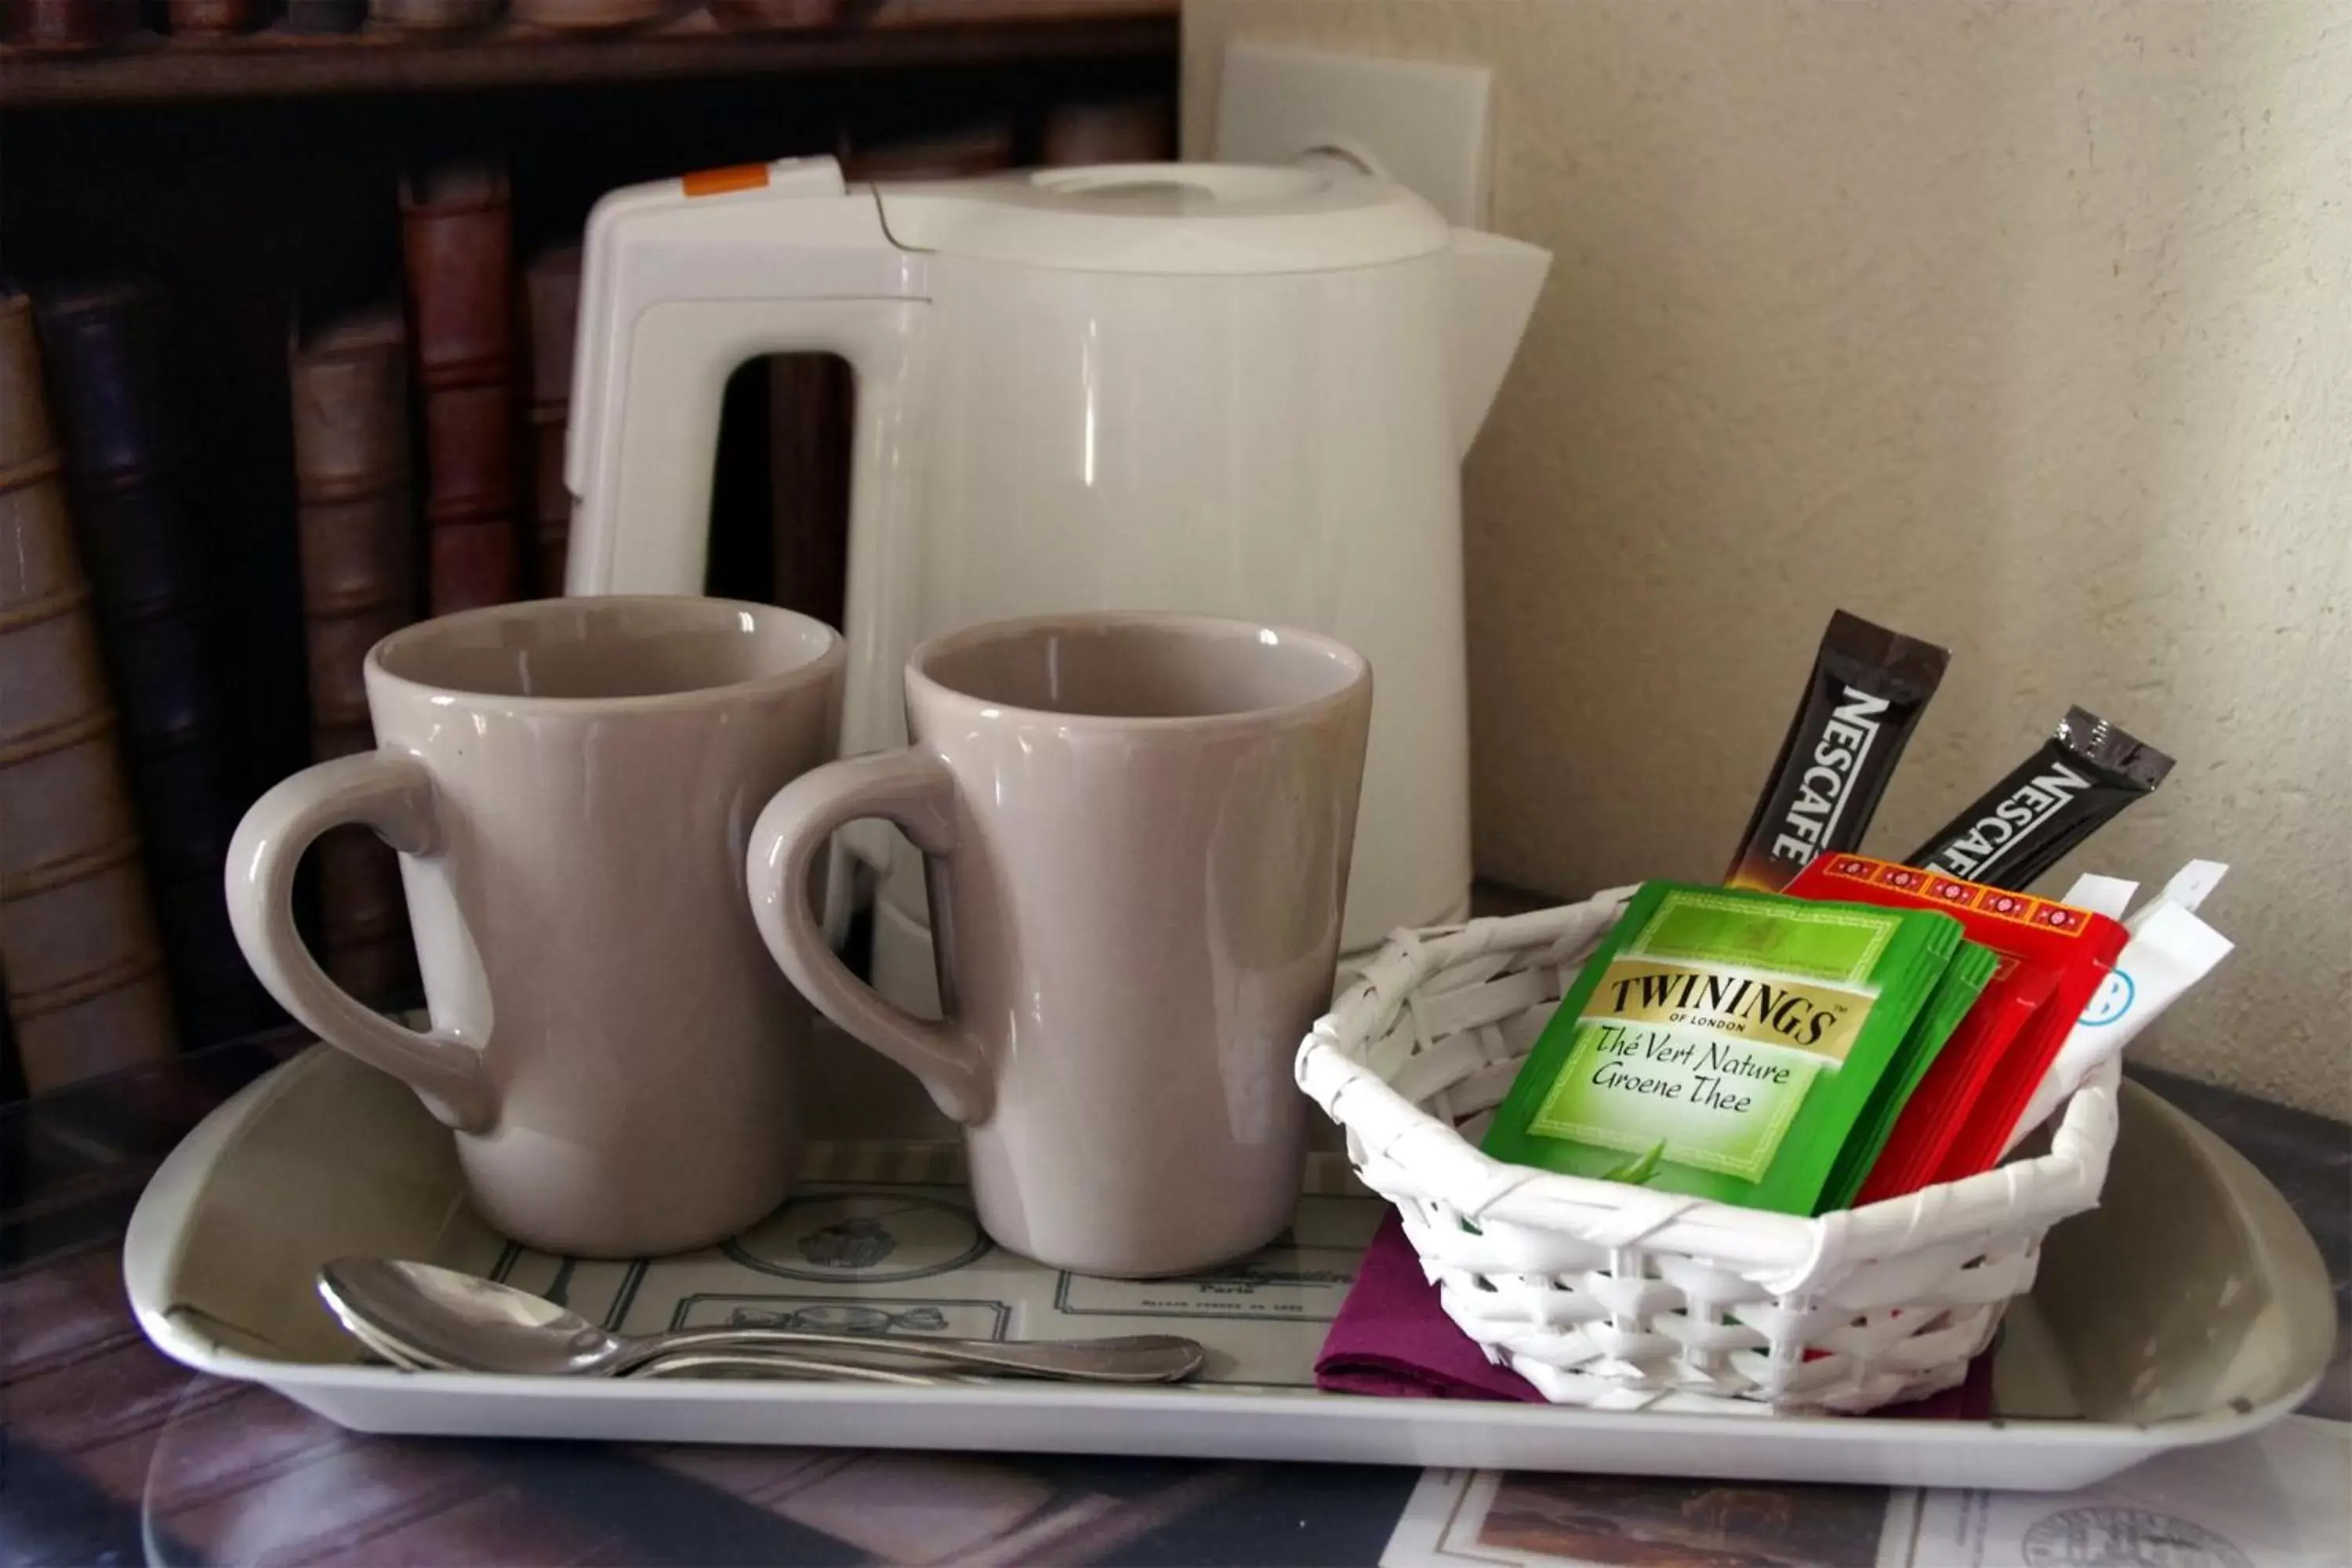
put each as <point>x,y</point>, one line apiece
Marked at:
<point>1949,1006</point>
<point>1724,1044</point>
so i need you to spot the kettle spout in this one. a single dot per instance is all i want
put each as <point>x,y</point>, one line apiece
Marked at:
<point>1494,284</point>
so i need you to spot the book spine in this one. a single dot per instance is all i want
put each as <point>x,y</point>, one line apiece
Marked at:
<point>348,387</point>
<point>315,16</point>
<point>212,18</point>
<point>776,15</point>
<point>1126,131</point>
<point>552,291</point>
<point>106,350</point>
<point>810,409</point>
<point>66,24</point>
<point>83,968</point>
<point>457,242</point>
<point>433,15</point>
<point>12,1071</point>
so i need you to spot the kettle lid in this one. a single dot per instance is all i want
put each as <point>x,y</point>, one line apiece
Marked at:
<point>1168,218</point>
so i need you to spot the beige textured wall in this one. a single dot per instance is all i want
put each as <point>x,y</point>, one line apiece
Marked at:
<point>2021,326</point>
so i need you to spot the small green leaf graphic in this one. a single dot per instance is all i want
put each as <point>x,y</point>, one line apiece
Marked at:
<point>1639,1169</point>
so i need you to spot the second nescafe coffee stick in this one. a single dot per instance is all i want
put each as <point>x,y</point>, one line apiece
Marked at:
<point>1868,689</point>
<point>2082,774</point>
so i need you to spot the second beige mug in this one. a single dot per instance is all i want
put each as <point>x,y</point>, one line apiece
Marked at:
<point>1136,831</point>
<point>571,784</point>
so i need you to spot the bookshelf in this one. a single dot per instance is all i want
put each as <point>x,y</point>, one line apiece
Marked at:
<point>893,35</point>
<point>255,179</point>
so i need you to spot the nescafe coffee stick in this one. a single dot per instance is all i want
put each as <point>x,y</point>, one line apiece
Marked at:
<point>1868,687</point>
<point>2082,774</point>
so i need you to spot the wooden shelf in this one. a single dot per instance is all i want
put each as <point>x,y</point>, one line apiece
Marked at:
<point>891,34</point>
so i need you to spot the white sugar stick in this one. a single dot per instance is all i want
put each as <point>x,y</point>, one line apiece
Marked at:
<point>2189,887</point>
<point>2108,896</point>
<point>2171,950</point>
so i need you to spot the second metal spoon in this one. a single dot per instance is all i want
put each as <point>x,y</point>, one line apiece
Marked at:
<point>439,1317</point>
<point>679,1364</point>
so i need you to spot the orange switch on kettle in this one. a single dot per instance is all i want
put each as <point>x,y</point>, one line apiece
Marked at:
<point>719,181</point>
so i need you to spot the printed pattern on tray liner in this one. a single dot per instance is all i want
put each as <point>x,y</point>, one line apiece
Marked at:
<point>882,1240</point>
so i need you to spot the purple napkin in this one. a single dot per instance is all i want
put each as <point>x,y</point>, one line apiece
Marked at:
<point>1393,1338</point>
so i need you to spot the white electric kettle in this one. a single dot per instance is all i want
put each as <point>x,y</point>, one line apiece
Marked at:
<point>1228,390</point>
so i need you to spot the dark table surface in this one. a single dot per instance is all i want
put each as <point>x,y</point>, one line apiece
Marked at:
<point>110,1453</point>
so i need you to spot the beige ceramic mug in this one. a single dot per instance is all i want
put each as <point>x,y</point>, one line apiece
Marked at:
<point>1137,831</point>
<point>571,784</point>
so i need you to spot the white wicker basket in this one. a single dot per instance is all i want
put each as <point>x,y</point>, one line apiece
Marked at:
<point>1618,1297</point>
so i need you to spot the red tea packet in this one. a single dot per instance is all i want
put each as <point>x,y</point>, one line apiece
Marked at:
<point>2053,957</point>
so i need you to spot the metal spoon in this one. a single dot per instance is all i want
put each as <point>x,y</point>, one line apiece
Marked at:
<point>768,1364</point>
<point>439,1318</point>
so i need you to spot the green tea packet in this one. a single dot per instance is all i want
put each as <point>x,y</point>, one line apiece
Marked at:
<point>1963,981</point>
<point>1725,1044</point>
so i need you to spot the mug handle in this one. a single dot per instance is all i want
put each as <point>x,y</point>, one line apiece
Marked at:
<point>394,795</point>
<point>914,790</point>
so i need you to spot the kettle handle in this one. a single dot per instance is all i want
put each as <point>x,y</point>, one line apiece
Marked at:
<point>683,280</point>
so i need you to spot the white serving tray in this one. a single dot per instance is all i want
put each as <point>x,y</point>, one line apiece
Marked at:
<point>2192,1308</point>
